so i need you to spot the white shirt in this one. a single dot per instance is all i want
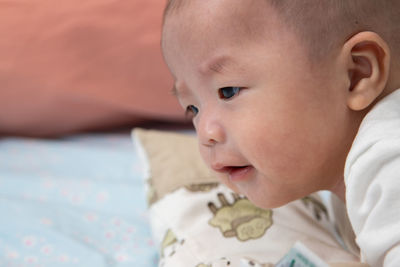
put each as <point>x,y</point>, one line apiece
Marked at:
<point>372,177</point>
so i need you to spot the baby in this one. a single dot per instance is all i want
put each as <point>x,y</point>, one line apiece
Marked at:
<point>291,97</point>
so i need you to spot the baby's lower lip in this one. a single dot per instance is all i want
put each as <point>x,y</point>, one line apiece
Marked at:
<point>240,174</point>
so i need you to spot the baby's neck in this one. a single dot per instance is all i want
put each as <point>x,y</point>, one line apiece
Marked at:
<point>340,190</point>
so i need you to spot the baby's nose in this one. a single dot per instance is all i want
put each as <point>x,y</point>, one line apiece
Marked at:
<point>210,132</point>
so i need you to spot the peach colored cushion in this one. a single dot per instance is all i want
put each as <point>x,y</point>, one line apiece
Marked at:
<point>70,65</point>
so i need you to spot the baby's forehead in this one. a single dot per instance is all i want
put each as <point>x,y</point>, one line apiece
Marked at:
<point>201,30</point>
<point>220,20</point>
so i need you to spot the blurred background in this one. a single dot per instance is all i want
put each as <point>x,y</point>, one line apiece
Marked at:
<point>69,66</point>
<point>81,74</point>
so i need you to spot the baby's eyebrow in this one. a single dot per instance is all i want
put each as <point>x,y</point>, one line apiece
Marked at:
<point>216,64</point>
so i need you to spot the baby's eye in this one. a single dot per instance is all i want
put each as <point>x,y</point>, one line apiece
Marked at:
<point>191,111</point>
<point>228,92</point>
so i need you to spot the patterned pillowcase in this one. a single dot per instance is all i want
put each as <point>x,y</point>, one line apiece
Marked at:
<point>198,222</point>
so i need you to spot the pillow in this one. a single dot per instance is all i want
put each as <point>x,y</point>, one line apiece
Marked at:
<point>196,221</point>
<point>69,65</point>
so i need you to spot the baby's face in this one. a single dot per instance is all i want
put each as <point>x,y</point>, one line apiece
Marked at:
<point>273,127</point>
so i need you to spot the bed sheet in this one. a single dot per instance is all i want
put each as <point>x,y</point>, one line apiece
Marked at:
<point>76,201</point>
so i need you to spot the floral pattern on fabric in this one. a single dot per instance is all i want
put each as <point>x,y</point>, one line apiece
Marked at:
<point>76,201</point>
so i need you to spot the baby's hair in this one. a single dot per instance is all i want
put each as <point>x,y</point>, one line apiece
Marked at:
<point>332,22</point>
<point>323,24</point>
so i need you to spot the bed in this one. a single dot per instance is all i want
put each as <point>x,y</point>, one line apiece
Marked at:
<point>73,201</point>
<point>140,199</point>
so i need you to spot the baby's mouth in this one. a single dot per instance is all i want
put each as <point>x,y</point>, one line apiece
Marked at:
<point>237,173</point>
<point>229,169</point>
<point>235,168</point>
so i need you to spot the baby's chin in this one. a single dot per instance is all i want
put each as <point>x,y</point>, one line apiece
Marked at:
<point>264,200</point>
<point>259,198</point>
<point>225,180</point>
<point>266,203</point>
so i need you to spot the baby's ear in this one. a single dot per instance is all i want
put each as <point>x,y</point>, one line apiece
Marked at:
<point>368,60</point>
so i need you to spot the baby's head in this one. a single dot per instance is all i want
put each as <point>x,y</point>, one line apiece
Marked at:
<point>277,88</point>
